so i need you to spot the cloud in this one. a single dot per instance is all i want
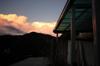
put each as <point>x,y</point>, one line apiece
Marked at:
<point>10,30</point>
<point>16,25</point>
<point>44,27</point>
<point>13,24</point>
<point>19,22</point>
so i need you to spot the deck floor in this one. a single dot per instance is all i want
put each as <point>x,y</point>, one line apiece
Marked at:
<point>33,61</point>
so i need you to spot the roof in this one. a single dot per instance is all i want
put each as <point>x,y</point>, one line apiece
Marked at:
<point>83,16</point>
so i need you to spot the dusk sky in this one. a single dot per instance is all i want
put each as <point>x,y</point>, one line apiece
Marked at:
<point>32,11</point>
<point>39,10</point>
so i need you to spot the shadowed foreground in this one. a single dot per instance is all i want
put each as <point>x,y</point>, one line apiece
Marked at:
<point>18,48</point>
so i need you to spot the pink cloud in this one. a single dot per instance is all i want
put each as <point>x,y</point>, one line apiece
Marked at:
<point>20,23</point>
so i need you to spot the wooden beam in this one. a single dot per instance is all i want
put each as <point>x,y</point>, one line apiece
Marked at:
<point>73,37</point>
<point>96,30</point>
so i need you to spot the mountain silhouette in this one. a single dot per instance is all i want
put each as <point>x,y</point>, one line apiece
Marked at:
<point>18,47</point>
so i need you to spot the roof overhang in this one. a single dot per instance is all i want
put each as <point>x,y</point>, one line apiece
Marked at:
<point>63,13</point>
<point>83,16</point>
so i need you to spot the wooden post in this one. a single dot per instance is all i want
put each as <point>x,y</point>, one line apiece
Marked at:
<point>73,37</point>
<point>96,29</point>
<point>56,49</point>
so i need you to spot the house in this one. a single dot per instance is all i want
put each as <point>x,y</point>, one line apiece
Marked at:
<point>78,32</point>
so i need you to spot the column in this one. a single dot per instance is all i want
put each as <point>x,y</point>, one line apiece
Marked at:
<point>96,29</point>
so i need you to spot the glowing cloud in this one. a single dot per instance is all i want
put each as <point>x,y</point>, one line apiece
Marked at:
<point>14,24</point>
<point>44,27</point>
<point>19,22</point>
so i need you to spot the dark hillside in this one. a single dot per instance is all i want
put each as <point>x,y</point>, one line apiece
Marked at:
<point>16,48</point>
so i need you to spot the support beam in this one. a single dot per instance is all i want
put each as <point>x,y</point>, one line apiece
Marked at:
<point>73,37</point>
<point>96,29</point>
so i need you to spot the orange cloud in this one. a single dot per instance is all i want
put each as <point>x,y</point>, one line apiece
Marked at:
<point>44,27</point>
<point>20,23</point>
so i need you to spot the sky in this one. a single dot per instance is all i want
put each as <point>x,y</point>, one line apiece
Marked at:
<point>43,13</point>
